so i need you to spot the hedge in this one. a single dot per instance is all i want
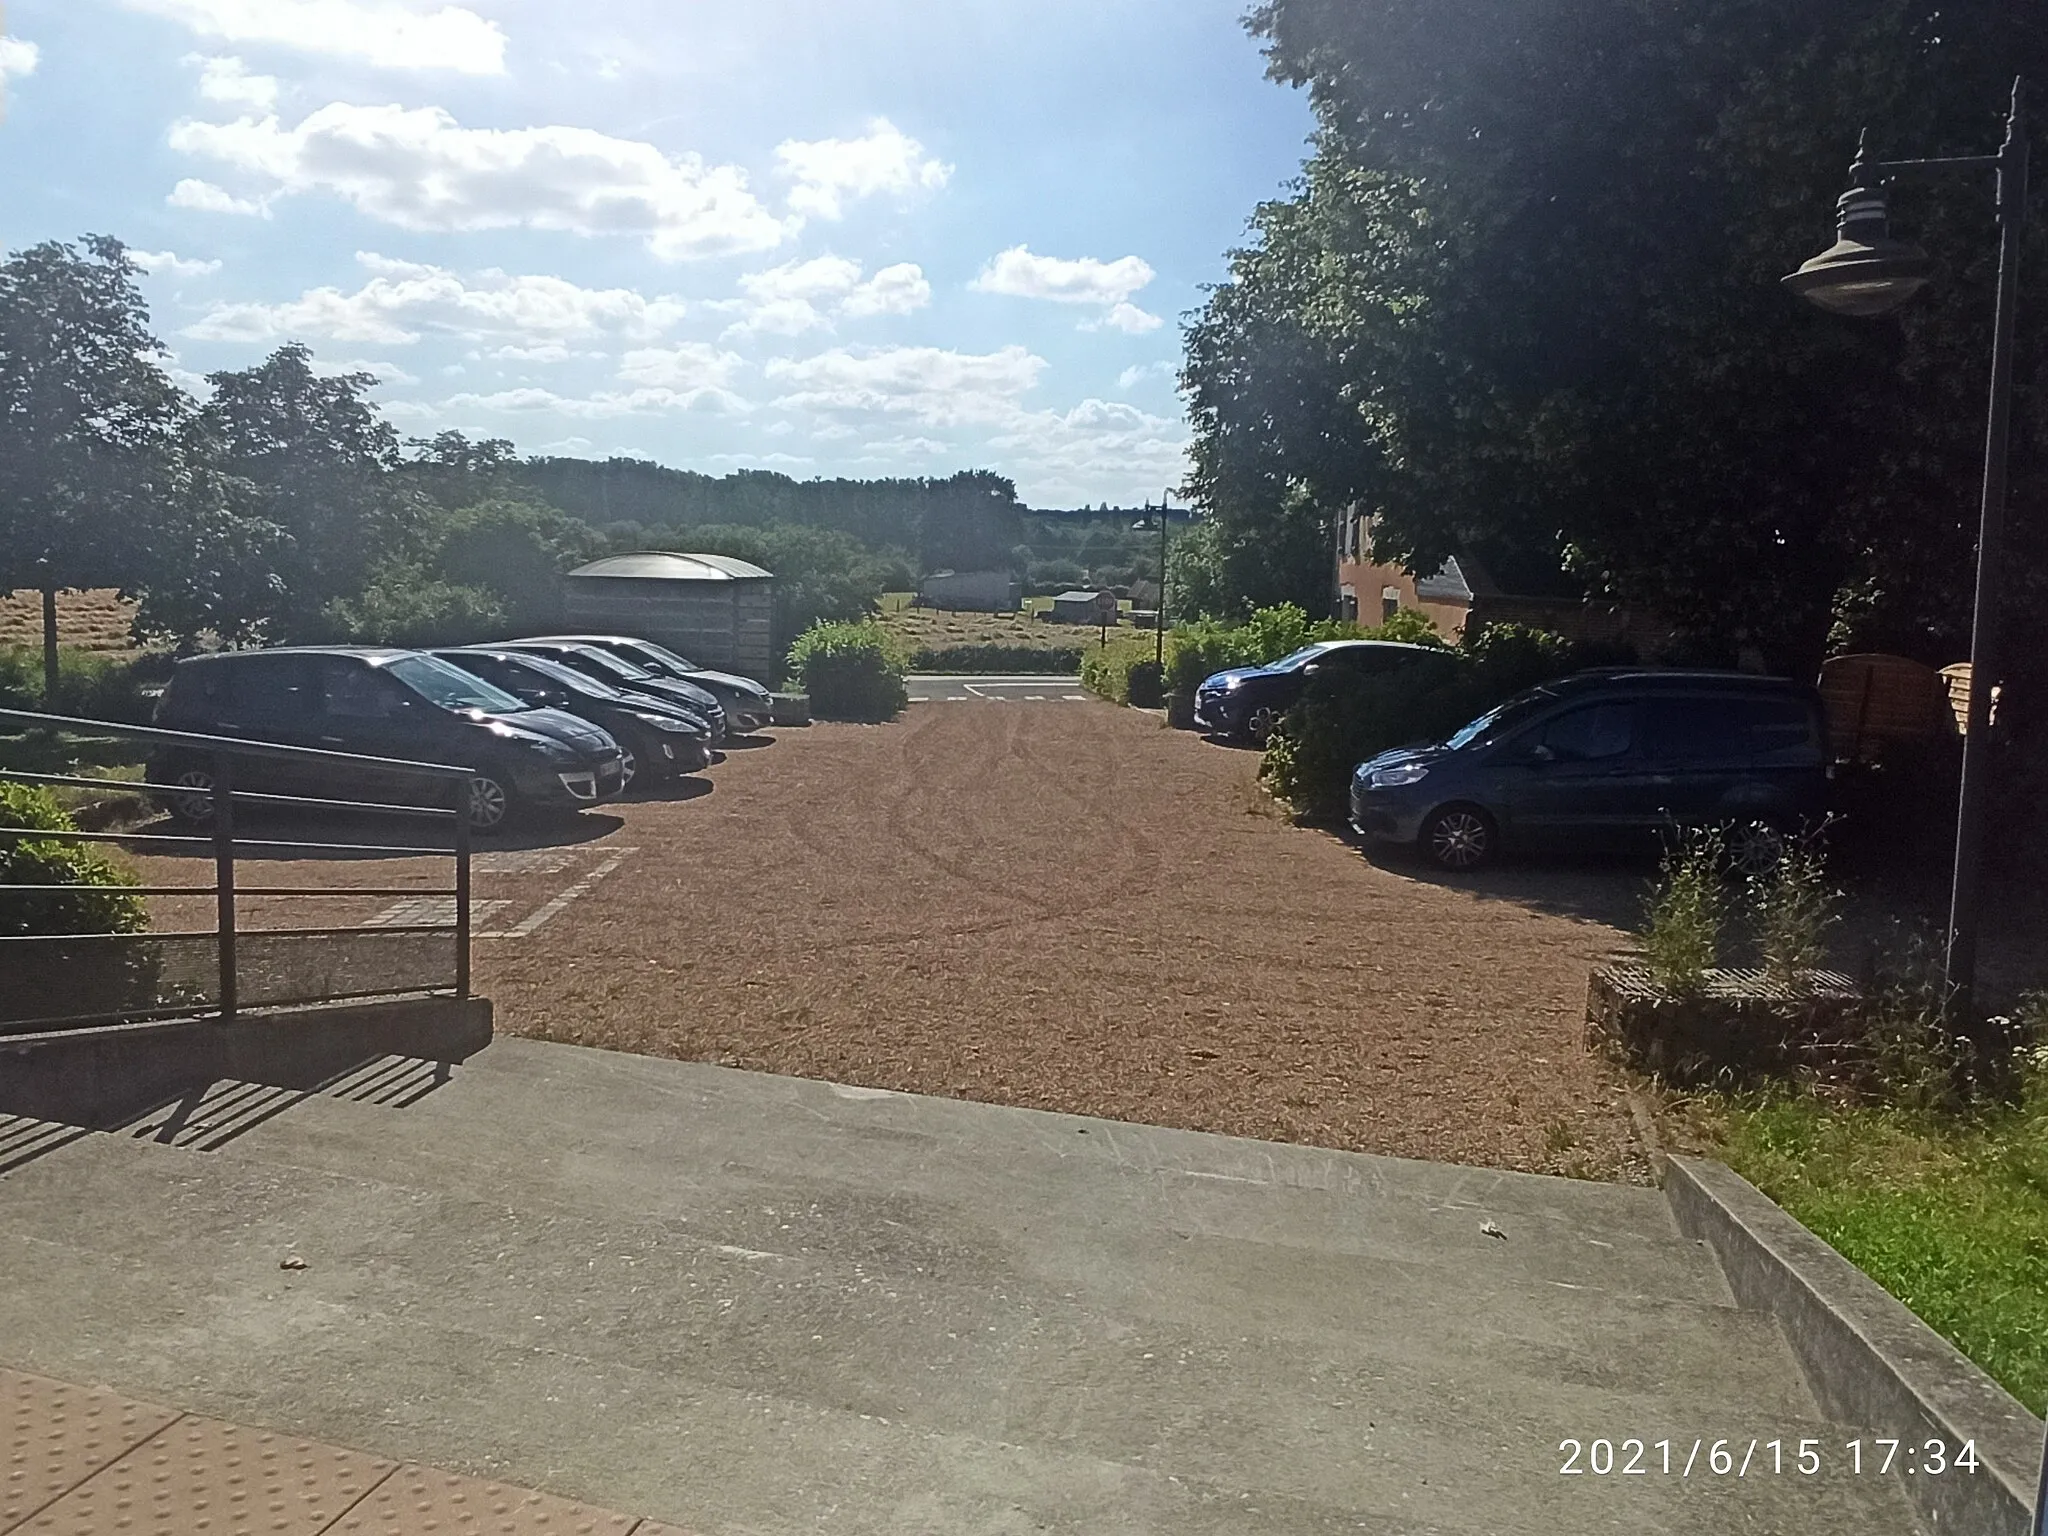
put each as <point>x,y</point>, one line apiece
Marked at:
<point>91,685</point>
<point>997,660</point>
<point>57,863</point>
<point>850,671</point>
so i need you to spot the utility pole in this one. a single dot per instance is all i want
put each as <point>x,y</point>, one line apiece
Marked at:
<point>48,583</point>
<point>1159,621</point>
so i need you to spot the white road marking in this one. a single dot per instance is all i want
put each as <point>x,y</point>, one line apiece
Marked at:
<point>555,908</point>
<point>431,912</point>
<point>524,861</point>
<point>1075,698</point>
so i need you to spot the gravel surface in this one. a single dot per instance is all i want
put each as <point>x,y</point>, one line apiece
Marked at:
<point>1066,906</point>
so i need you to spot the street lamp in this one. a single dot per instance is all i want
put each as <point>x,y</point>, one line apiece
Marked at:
<point>1867,272</point>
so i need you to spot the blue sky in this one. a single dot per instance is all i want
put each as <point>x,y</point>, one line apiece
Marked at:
<point>902,237</point>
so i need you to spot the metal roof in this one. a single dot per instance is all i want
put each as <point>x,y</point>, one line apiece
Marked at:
<point>655,565</point>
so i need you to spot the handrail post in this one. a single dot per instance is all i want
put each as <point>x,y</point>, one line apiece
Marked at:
<point>224,878</point>
<point>462,841</point>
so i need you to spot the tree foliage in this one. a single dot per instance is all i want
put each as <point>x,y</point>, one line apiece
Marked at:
<point>1524,298</point>
<point>90,424</point>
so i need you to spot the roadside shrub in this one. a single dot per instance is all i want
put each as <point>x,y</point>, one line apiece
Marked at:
<point>1341,721</point>
<point>1145,685</point>
<point>996,660</point>
<point>91,685</point>
<point>1106,670</point>
<point>850,671</point>
<point>1790,907</point>
<point>58,864</point>
<point>407,607</point>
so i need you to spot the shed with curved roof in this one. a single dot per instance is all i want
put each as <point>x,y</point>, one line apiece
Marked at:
<point>718,611</point>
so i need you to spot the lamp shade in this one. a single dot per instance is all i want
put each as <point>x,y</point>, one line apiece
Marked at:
<point>1866,271</point>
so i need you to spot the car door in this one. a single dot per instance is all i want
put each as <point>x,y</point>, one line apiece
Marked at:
<point>1700,748</point>
<point>269,698</point>
<point>364,712</point>
<point>1576,777</point>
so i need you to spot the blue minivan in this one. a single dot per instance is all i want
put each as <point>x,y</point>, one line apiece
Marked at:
<point>1606,759</point>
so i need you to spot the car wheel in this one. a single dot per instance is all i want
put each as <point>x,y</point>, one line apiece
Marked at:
<point>1754,848</point>
<point>1460,839</point>
<point>490,803</point>
<point>1261,721</point>
<point>190,799</point>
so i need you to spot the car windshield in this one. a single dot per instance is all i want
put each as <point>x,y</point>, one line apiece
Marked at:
<point>617,669</point>
<point>661,655</point>
<point>1502,717</point>
<point>451,687</point>
<point>566,677</point>
<point>1299,658</point>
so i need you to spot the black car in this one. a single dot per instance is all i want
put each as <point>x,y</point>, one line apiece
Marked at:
<point>378,703</point>
<point>748,706</point>
<point>1247,702</point>
<point>1608,758</point>
<point>619,673</point>
<point>660,741</point>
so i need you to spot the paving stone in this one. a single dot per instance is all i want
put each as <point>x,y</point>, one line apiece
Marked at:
<point>422,1499</point>
<point>58,1435</point>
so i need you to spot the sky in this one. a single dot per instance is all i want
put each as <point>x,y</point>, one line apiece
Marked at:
<point>898,238</point>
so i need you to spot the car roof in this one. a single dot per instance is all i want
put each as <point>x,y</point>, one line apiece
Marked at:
<point>371,653</point>
<point>1678,678</point>
<point>1377,645</point>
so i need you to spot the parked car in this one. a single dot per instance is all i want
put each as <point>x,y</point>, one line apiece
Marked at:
<point>748,706</point>
<point>377,703</point>
<point>660,741</point>
<point>619,673</point>
<point>1607,758</point>
<point>1248,702</point>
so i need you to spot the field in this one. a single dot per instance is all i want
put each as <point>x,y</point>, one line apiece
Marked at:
<point>925,629</point>
<point>89,621</point>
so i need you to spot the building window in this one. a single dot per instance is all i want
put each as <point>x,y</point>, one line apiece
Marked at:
<point>1347,604</point>
<point>1390,602</point>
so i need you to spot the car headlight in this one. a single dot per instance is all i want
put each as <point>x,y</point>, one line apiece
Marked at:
<point>668,723</point>
<point>548,747</point>
<point>1398,777</point>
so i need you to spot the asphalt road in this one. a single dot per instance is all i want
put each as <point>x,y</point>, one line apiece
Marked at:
<point>1011,689</point>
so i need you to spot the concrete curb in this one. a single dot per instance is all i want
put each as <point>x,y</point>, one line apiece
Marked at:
<point>1869,1361</point>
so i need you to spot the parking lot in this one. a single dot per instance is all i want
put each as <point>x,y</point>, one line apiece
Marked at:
<point>1059,906</point>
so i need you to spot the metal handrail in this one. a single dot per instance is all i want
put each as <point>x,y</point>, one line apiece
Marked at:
<point>223,798</point>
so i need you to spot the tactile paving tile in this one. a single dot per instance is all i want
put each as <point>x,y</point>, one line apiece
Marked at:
<point>422,1500</point>
<point>58,1435</point>
<point>201,1477</point>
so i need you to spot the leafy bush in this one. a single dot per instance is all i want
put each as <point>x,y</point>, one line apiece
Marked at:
<point>59,864</point>
<point>91,685</point>
<point>515,552</point>
<point>1790,907</point>
<point>850,671</point>
<point>1145,685</point>
<point>997,659</point>
<point>408,607</point>
<point>1106,670</point>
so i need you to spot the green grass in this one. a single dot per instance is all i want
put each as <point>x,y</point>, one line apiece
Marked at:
<point>1949,1215</point>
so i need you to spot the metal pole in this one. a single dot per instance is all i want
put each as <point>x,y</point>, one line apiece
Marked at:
<point>462,839</point>
<point>50,665</point>
<point>1965,886</point>
<point>1159,623</point>
<point>224,878</point>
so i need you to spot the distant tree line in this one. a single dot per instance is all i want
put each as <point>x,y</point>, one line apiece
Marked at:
<point>284,508</point>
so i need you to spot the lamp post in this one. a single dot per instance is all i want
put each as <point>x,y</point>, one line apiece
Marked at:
<point>1159,620</point>
<point>1867,272</point>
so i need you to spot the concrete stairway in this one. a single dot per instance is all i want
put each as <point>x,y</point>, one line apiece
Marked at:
<point>747,1304</point>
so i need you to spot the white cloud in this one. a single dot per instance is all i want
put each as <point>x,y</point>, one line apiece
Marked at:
<point>691,367</point>
<point>406,300</point>
<point>907,447</point>
<point>227,80</point>
<point>827,173</point>
<point>638,402</point>
<point>387,373</point>
<point>1131,320</point>
<point>386,33</point>
<point>1107,285</point>
<point>420,169</point>
<point>770,460</point>
<point>1132,377</point>
<point>931,385</point>
<point>1073,455</point>
<point>205,197</point>
<point>18,59</point>
<point>802,296</point>
<point>171,264</point>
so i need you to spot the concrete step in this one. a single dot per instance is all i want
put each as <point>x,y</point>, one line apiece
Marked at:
<point>751,1304</point>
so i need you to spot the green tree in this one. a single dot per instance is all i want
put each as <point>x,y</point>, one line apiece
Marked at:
<point>1524,299</point>
<point>89,422</point>
<point>323,467</point>
<point>516,551</point>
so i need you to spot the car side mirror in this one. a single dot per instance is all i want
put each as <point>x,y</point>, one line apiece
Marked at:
<point>1313,669</point>
<point>1542,752</point>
